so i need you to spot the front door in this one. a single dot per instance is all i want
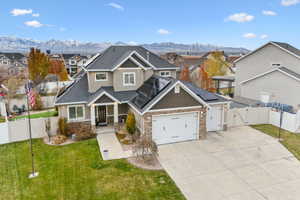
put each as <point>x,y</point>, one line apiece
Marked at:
<point>101,116</point>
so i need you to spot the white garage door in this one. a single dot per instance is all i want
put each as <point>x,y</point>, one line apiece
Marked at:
<point>214,119</point>
<point>175,128</point>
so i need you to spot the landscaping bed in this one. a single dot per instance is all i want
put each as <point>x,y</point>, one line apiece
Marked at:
<point>76,171</point>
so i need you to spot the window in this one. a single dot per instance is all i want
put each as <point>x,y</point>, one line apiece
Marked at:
<point>76,112</point>
<point>129,78</point>
<point>72,62</point>
<point>101,76</point>
<point>165,73</point>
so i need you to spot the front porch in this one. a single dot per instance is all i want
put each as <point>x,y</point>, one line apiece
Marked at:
<point>106,117</point>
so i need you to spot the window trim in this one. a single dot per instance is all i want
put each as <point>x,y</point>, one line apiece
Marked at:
<point>170,74</point>
<point>76,118</point>
<point>134,78</point>
<point>106,76</point>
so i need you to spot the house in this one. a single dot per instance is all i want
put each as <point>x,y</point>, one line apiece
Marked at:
<point>270,73</point>
<point>125,79</point>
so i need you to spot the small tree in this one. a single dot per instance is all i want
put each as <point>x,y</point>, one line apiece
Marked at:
<point>62,126</point>
<point>38,102</point>
<point>131,124</point>
<point>185,74</point>
<point>145,147</point>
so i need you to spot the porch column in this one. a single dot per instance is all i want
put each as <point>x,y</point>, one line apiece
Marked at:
<point>93,121</point>
<point>116,113</point>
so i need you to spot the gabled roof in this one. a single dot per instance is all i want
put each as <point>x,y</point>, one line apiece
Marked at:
<point>114,55</point>
<point>283,70</point>
<point>284,46</point>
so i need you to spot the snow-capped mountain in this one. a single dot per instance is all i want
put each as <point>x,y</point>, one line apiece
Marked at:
<point>14,44</point>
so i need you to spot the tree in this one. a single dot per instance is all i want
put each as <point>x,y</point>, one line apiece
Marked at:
<point>13,84</point>
<point>38,102</point>
<point>185,74</point>
<point>58,68</point>
<point>38,66</point>
<point>130,124</point>
<point>145,148</point>
<point>216,65</point>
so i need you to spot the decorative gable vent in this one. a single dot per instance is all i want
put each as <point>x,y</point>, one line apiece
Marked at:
<point>177,89</point>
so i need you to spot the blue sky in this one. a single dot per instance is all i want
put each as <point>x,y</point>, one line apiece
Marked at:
<point>247,23</point>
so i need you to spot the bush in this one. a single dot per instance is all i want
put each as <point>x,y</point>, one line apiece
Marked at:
<point>59,139</point>
<point>131,123</point>
<point>62,126</point>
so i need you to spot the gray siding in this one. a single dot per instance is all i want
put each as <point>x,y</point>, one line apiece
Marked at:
<point>173,100</point>
<point>282,88</point>
<point>95,85</point>
<point>63,111</point>
<point>260,62</point>
<point>118,79</point>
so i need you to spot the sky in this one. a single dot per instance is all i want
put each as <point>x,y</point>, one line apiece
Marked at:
<point>236,23</point>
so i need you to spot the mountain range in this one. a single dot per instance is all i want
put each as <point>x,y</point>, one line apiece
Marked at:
<point>15,44</point>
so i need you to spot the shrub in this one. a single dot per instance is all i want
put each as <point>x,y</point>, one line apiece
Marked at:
<point>131,123</point>
<point>62,126</point>
<point>81,131</point>
<point>59,139</point>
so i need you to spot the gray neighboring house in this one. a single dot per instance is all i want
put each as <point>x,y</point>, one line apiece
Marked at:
<point>270,73</point>
<point>125,79</point>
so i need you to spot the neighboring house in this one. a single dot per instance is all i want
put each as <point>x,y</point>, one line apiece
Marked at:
<point>14,63</point>
<point>126,79</point>
<point>270,73</point>
<point>72,62</point>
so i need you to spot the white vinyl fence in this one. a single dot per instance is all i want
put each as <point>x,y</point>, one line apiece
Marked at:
<point>263,115</point>
<point>18,130</point>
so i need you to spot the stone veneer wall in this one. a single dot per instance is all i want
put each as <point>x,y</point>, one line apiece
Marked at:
<point>202,120</point>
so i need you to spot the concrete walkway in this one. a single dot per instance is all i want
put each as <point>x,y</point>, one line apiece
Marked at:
<point>109,142</point>
<point>240,164</point>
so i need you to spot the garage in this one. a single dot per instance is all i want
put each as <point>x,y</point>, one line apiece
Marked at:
<point>175,127</point>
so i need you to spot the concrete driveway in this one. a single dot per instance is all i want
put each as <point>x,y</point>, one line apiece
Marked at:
<point>239,164</point>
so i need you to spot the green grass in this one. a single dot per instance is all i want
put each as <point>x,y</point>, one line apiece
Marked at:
<point>2,119</point>
<point>290,140</point>
<point>38,115</point>
<point>76,171</point>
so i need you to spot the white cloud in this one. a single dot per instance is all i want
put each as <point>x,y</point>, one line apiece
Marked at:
<point>264,36</point>
<point>33,23</point>
<point>249,35</point>
<point>133,43</point>
<point>62,29</point>
<point>163,32</point>
<point>35,14</point>
<point>116,6</point>
<point>18,12</point>
<point>289,2</point>
<point>240,17</point>
<point>269,13</point>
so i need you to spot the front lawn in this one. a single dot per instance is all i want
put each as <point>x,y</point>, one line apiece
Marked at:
<point>76,171</point>
<point>45,114</point>
<point>290,140</point>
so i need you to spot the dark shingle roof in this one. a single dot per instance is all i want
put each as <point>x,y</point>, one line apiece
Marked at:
<point>288,47</point>
<point>115,54</point>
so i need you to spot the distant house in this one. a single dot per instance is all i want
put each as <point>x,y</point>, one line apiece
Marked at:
<point>72,62</point>
<point>270,73</point>
<point>13,63</point>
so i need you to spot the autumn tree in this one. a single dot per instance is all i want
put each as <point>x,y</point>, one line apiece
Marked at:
<point>185,74</point>
<point>216,65</point>
<point>58,68</point>
<point>131,124</point>
<point>38,66</point>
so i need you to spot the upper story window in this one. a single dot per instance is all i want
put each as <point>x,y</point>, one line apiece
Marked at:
<point>129,78</point>
<point>101,76</point>
<point>165,73</point>
<point>72,62</point>
<point>75,113</point>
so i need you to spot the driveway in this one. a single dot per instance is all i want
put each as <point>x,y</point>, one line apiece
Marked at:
<point>239,164</point>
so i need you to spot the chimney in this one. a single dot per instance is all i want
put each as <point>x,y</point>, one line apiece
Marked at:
<point>148,54</point>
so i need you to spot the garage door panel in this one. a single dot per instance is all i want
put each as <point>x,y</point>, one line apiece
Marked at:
<point>175,128</point>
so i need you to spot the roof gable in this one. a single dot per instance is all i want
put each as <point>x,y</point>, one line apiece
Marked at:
<point>283,46</point>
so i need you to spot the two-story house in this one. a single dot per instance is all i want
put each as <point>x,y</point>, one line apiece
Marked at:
<point>270,73</point>
<point>125,79</point>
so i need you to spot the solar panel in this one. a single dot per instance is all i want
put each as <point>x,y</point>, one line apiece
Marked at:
<point>203,94</point>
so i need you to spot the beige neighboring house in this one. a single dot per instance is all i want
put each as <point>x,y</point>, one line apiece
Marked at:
<point>270,73</point>
<point>125,79</point>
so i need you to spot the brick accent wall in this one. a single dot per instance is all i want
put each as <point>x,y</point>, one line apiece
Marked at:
<point>202,120</point>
